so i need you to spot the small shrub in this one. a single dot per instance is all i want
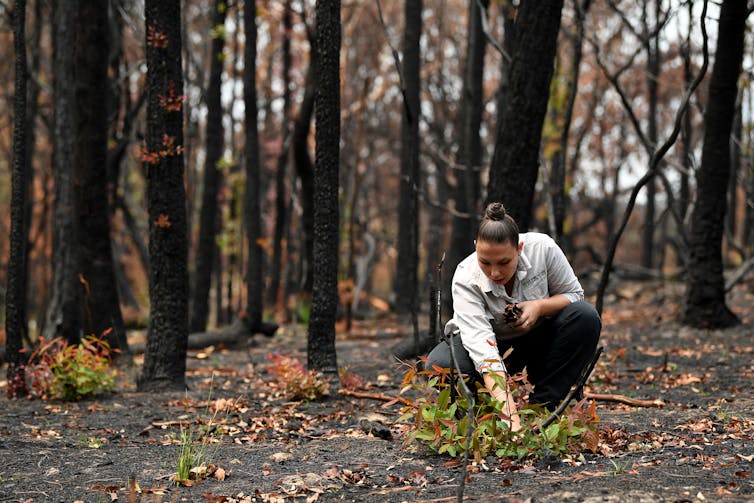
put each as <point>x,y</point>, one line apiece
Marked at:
<point>71,372</point>
<point>442,424</point>
<point>297,382</point>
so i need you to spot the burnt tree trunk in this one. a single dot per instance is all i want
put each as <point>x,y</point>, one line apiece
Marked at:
<point>652,47</point>
<point>704,304</point>
<point>408,205</point>
<point>281,210</point>
<point>252,216</point>
<point>99,295</point>
<point>321,338</point>
<point>208,214</point>
<point>167,334</point>
<point>305,170</point>
<point>558,178</point>
<point>469,156</point>
<point>515,162</point>
<point>15,302</point>
<point>62,316</point>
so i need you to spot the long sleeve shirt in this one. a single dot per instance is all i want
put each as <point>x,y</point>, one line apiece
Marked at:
<point>478,303</point>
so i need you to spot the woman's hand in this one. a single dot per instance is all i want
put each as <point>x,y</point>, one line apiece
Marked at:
<point>498,388</point>
<point>509,408</point>
<point>531,311</point>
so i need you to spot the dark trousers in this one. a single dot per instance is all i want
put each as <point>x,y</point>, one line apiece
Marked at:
<point>553,353</point>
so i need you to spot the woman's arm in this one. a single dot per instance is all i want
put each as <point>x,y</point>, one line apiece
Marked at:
<point>504,395</point>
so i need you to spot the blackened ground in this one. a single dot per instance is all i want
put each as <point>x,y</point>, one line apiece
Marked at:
<point>699,446</point>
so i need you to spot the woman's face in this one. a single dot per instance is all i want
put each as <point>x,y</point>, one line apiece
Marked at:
<point>498,261</point>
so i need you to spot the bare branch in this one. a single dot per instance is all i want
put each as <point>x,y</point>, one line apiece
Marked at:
<point>488,35</point>
<point>654,162</point>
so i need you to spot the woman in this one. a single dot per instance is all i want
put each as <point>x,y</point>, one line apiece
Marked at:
<point>553,333</point>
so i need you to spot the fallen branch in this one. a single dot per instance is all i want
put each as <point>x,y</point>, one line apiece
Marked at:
<point>375,396</point>
<point>610,397</point>
<point>739,274</point>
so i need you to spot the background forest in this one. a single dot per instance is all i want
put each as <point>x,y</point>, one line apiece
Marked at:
<point>163,165</point>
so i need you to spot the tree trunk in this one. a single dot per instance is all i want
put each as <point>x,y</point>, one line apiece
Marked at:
<point>515,162</point>
<point>704,304</point>
<point>167,334</point>
<point>559,168</point>
<point>469,156</point>
<point>408,206</point>
<point>15,302</point>
<point>687,131</point>
<point>651,45</point>
<point>305,170</point>
<point>205,254</point>
<point>731,220</point>
<point>251,200</point>
<point>32,107</point>
<point>99,295</point>
<point>62,316</point>
<point>281,209</point>
<point>321,338</point>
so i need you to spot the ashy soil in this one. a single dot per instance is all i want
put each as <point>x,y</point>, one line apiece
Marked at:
<point>698,446</point>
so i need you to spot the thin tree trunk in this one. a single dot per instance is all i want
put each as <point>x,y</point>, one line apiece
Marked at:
<point>99,295</point>
<point>305,171</point>
<point>652,48</point>
<point>687,132</point>
<point>282,164</point>
<point>469,156</point>
<point>558,178</point>
<point>408,206</point>
<point>31,119</point>
<point>252,217</point>
<point>205,254</point>
<point>15,302</point>
<point>62,316</point>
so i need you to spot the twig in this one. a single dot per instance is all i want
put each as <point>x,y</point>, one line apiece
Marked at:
<point>487,34</point>
<point>576,391</point>
<point>375,396</point>
<point>469,415</point>
<point>635,402</point>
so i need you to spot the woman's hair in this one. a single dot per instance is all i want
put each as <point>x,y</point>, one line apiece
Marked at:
<point>497,226</point>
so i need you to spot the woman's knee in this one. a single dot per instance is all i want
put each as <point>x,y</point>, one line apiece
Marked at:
<point>581,311</point>
<point>441,357</point>
<point>580,318</point>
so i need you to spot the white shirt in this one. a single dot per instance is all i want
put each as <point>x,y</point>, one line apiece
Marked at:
<point>478,303</point>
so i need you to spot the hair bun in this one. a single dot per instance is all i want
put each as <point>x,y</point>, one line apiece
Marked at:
<point>495,211</point>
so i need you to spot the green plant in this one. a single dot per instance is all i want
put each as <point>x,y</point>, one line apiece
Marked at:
<point>442,424</point>
<point>619,468</point>
<point>192,453</point>
<point>71,372</point>
<point>193,461</point>
<point>297,382</point>
<point>91,442</point>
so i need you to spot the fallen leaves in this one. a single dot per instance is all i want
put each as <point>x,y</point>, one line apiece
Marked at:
<point>199,473</point>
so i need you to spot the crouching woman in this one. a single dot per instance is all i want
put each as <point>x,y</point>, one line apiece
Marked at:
<point>553,333</point>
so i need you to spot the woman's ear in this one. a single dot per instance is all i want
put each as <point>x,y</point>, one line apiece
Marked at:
<point>520,246</point>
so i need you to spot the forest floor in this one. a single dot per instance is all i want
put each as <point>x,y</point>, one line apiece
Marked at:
<point>698,446</point>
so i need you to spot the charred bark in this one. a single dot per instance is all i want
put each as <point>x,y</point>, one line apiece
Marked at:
<point>704,304</point>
